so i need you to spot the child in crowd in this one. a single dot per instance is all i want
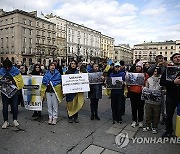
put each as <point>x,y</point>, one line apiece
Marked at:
<point>153,107</point>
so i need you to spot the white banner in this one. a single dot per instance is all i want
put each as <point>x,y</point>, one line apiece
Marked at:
<point>74,83</point>
<point>31,92</point>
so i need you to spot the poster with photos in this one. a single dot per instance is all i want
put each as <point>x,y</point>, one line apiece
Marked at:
<point>114,83</point>
<point>8,89</point>
<point>134,78</point>
<point>172,72</point>
<point>95,78</point>
<point>151,95</point>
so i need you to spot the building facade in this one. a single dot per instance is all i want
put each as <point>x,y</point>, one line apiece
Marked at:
<point>107,47</point>
<point>148,51</point>
<point>17,34</point>
<point>123,52</point>
<point>25,38</point>
<point>83,43</point>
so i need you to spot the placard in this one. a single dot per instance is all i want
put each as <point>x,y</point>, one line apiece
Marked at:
<point>151,95</point>
<point>74,83</point>
<point>31,92</point>
<point>134,78</point>
<point>7,89</point>
<point>172,72</point>
<point>114,83</point>
<point>95,78</point>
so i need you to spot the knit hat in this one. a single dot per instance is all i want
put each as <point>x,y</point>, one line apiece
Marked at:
<point>140,63</point>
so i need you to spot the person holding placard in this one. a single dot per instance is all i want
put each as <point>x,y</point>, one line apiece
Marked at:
<point>75,101</point>
<point>51,85</point>
<point>37,71</point>
<point>172,95</point>
<point>94,95</point>
<point>10,75</point>
<point>153,107</point>
<point>137,105</point>
<point>117,95</point>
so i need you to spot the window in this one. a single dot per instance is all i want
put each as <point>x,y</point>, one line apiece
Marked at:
<point>24,30</point>
<point>38,40</point>
<point>12,38</point>
<point>12,20</point>
<point>37,24</point>
<point>7,39</point>
<point>166,53</point>
<point>12,49</point>
<point>171,53</point>
<point>12,29</point>
<point>160,53</point>
<point>30,32</point>
<point>24,40</point>
<point>30,23</point>
<point>30,50</point>
<point>48,26</point>
<point>43,41</point>
<point>160,47</point>
<point>1,40</point>
<point>30,40</point>
<point>43,25</point>
<point>24,21</point>
<point>166,47</point>
<point>171,47</point>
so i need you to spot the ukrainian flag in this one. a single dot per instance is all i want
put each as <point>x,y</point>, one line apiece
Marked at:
<point>55,81</point>
<point>15,73</point>
<point>109,62</point>
<point>75,102</point>
<point>178,121</point>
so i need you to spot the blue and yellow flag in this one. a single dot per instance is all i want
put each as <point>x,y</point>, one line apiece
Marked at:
<point>109,62</point>
<point>55,81</point>
<point>178,121</point>
<point>15,73</point>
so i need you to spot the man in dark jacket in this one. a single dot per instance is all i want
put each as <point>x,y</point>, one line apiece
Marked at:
<point>172,95</point>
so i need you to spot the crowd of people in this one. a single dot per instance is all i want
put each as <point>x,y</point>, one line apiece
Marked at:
<point>51,91</point>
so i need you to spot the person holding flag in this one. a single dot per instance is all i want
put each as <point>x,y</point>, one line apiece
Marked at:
<point>10,74</point>
<point>75,101</point>
<point>51,85</point>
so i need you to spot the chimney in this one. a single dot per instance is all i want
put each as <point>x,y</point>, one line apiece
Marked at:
<point>2,11</point>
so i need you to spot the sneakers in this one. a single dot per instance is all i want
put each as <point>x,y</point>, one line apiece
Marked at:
<point>140,125</point>
<point>50,121</point>
<point>16,123</point>
<point>54,121</point>
<point>70,120</point>
<point>133,124</point>
<point>154,130</point>
<point>5,125</point>
<point>145,129</point>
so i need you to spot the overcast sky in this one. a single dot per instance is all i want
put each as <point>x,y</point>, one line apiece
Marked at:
<point>128,21</point>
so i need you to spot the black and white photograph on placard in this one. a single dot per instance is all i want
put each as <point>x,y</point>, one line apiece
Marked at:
<point>172,72</point>
<point>151,95</point>
<point>8,89</point>
<point>95,78</point>
<point>134,78</point>
<point>114,83</point>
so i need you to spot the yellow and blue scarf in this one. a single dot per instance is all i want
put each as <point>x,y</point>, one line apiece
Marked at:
<point>15,73</point>
<point>55,80</point>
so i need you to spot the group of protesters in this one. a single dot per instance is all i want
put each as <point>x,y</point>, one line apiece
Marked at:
<point>51,91</point>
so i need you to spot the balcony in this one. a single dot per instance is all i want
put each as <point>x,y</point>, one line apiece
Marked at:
<point>28,53</point>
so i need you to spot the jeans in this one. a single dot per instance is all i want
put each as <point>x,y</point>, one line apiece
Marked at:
<point>14,104</point>
<point>52,104</point>
<point>137,106</point>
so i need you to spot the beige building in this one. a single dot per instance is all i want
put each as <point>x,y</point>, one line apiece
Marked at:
<point>17,34</point>
<point>148,51</point>
<point>107,47</point>
<point>123,52</point>
<point>26,38</point>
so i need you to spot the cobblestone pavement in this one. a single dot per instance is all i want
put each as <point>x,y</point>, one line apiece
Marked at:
<point>35,136</point>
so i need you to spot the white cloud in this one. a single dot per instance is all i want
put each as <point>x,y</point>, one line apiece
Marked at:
<point>153,11</point>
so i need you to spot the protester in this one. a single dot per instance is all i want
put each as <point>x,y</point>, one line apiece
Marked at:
<point>146,67</point>
<point>137,104</point>
<point>51,84</point>
<point>90,66</point>
<point>172,95</point>
<point>94,95</point>
<point>12,75</point>
<point>75,101</point>
<point>153,108</point>
<point>133,67</point>
<point>117,95</point>
<point>37,71</point>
